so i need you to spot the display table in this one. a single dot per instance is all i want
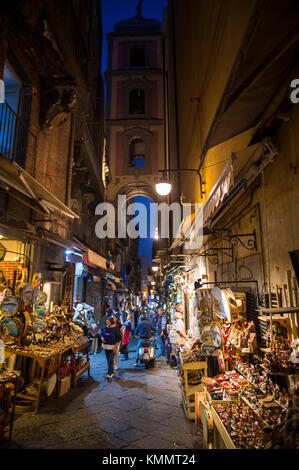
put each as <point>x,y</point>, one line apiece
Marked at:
<point>51,361</point>
<point>9,377</point>
<point>46,360</point>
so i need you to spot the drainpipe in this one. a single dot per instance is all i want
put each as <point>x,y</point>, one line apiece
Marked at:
<point>70,161</point>
<point>267,250</point>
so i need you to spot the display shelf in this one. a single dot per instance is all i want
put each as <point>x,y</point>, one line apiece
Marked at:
<point>283,374</point>
<point>278,310</point>
<point>257,387</point>
<point>189,407</point>
<point>247,402</point>
<point>274,317</point>
<point>188,390</point>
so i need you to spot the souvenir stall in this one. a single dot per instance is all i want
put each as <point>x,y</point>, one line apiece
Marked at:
<point>40,343</point>
<point>247,395</point>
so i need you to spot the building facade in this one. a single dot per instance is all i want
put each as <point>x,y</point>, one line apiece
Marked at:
<point>52,135</point>
<point>231,118</point>
<point>134,118</point>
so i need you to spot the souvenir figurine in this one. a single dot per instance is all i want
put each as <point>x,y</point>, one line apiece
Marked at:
<point>9,306</point>
<point>26,294</point>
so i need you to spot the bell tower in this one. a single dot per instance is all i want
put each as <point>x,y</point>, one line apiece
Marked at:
<point>134,117</point>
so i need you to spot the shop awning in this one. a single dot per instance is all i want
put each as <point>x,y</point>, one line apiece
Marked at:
<point>184,231</point>
<point>221,188</point>
<point>96,259</point>
<point>16,177</point>
<point>263,70</point>
<point>241,169</point>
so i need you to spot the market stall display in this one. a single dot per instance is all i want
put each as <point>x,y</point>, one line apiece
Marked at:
<point>45,338</point>
<point>249,398</point>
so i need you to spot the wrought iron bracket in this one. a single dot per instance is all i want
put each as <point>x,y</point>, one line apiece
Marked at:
<point>236,239</point>
<point>212,254</point>
<point>246,240</point>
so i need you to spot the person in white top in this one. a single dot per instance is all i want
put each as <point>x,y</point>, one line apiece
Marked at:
<point>177,331</point>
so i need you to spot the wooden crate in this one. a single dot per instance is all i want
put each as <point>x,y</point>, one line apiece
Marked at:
<point>214,431</point>
<point>222,439</point>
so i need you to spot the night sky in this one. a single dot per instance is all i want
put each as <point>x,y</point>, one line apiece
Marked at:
<point>112,12</point>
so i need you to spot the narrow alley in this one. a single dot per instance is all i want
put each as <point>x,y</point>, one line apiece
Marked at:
<point>139,409</point>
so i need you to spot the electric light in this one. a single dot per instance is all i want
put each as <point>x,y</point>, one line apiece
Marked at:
<point>155,269</point>
<point>163,188</point>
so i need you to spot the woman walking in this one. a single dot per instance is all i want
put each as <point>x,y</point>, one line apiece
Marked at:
<point>127,330</point>
<point>111,339</point>
<point>119,326</point>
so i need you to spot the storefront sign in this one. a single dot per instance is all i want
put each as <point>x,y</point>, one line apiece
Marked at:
<point>69,286</point>
<point>88,263</point>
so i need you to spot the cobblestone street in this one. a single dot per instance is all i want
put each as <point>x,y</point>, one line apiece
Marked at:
<point>139,409</point>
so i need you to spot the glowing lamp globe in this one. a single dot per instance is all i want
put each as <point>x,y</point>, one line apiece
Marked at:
<point>163,188</point>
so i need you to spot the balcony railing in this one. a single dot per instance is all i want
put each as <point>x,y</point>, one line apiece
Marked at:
<point>13,134</point>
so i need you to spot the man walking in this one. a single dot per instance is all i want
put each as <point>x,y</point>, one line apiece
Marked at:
<point>144,330</point>
<point>161,329</point>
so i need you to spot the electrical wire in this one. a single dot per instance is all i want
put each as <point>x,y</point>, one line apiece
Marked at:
<point>214,164</point>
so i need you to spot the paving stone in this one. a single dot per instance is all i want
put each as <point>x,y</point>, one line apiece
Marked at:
<point>131,435</point>
<point>128,405</point>
<point>186,440</point>
<point>154,443</point>
<point>143,424</point>
<point>113,426</point>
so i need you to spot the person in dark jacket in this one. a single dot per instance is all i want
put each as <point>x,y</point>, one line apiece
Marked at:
<point>144,330</point>
<point>161,329</point>
<point>111,339</point>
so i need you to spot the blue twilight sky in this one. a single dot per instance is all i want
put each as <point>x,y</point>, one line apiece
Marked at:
<point>112,12</point>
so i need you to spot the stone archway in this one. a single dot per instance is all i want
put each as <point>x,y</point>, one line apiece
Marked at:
<point>134,189</point>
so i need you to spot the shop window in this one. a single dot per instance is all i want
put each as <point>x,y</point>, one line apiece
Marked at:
<point>137,153</point>
<point>137,56</point>
<point>137,101</point>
